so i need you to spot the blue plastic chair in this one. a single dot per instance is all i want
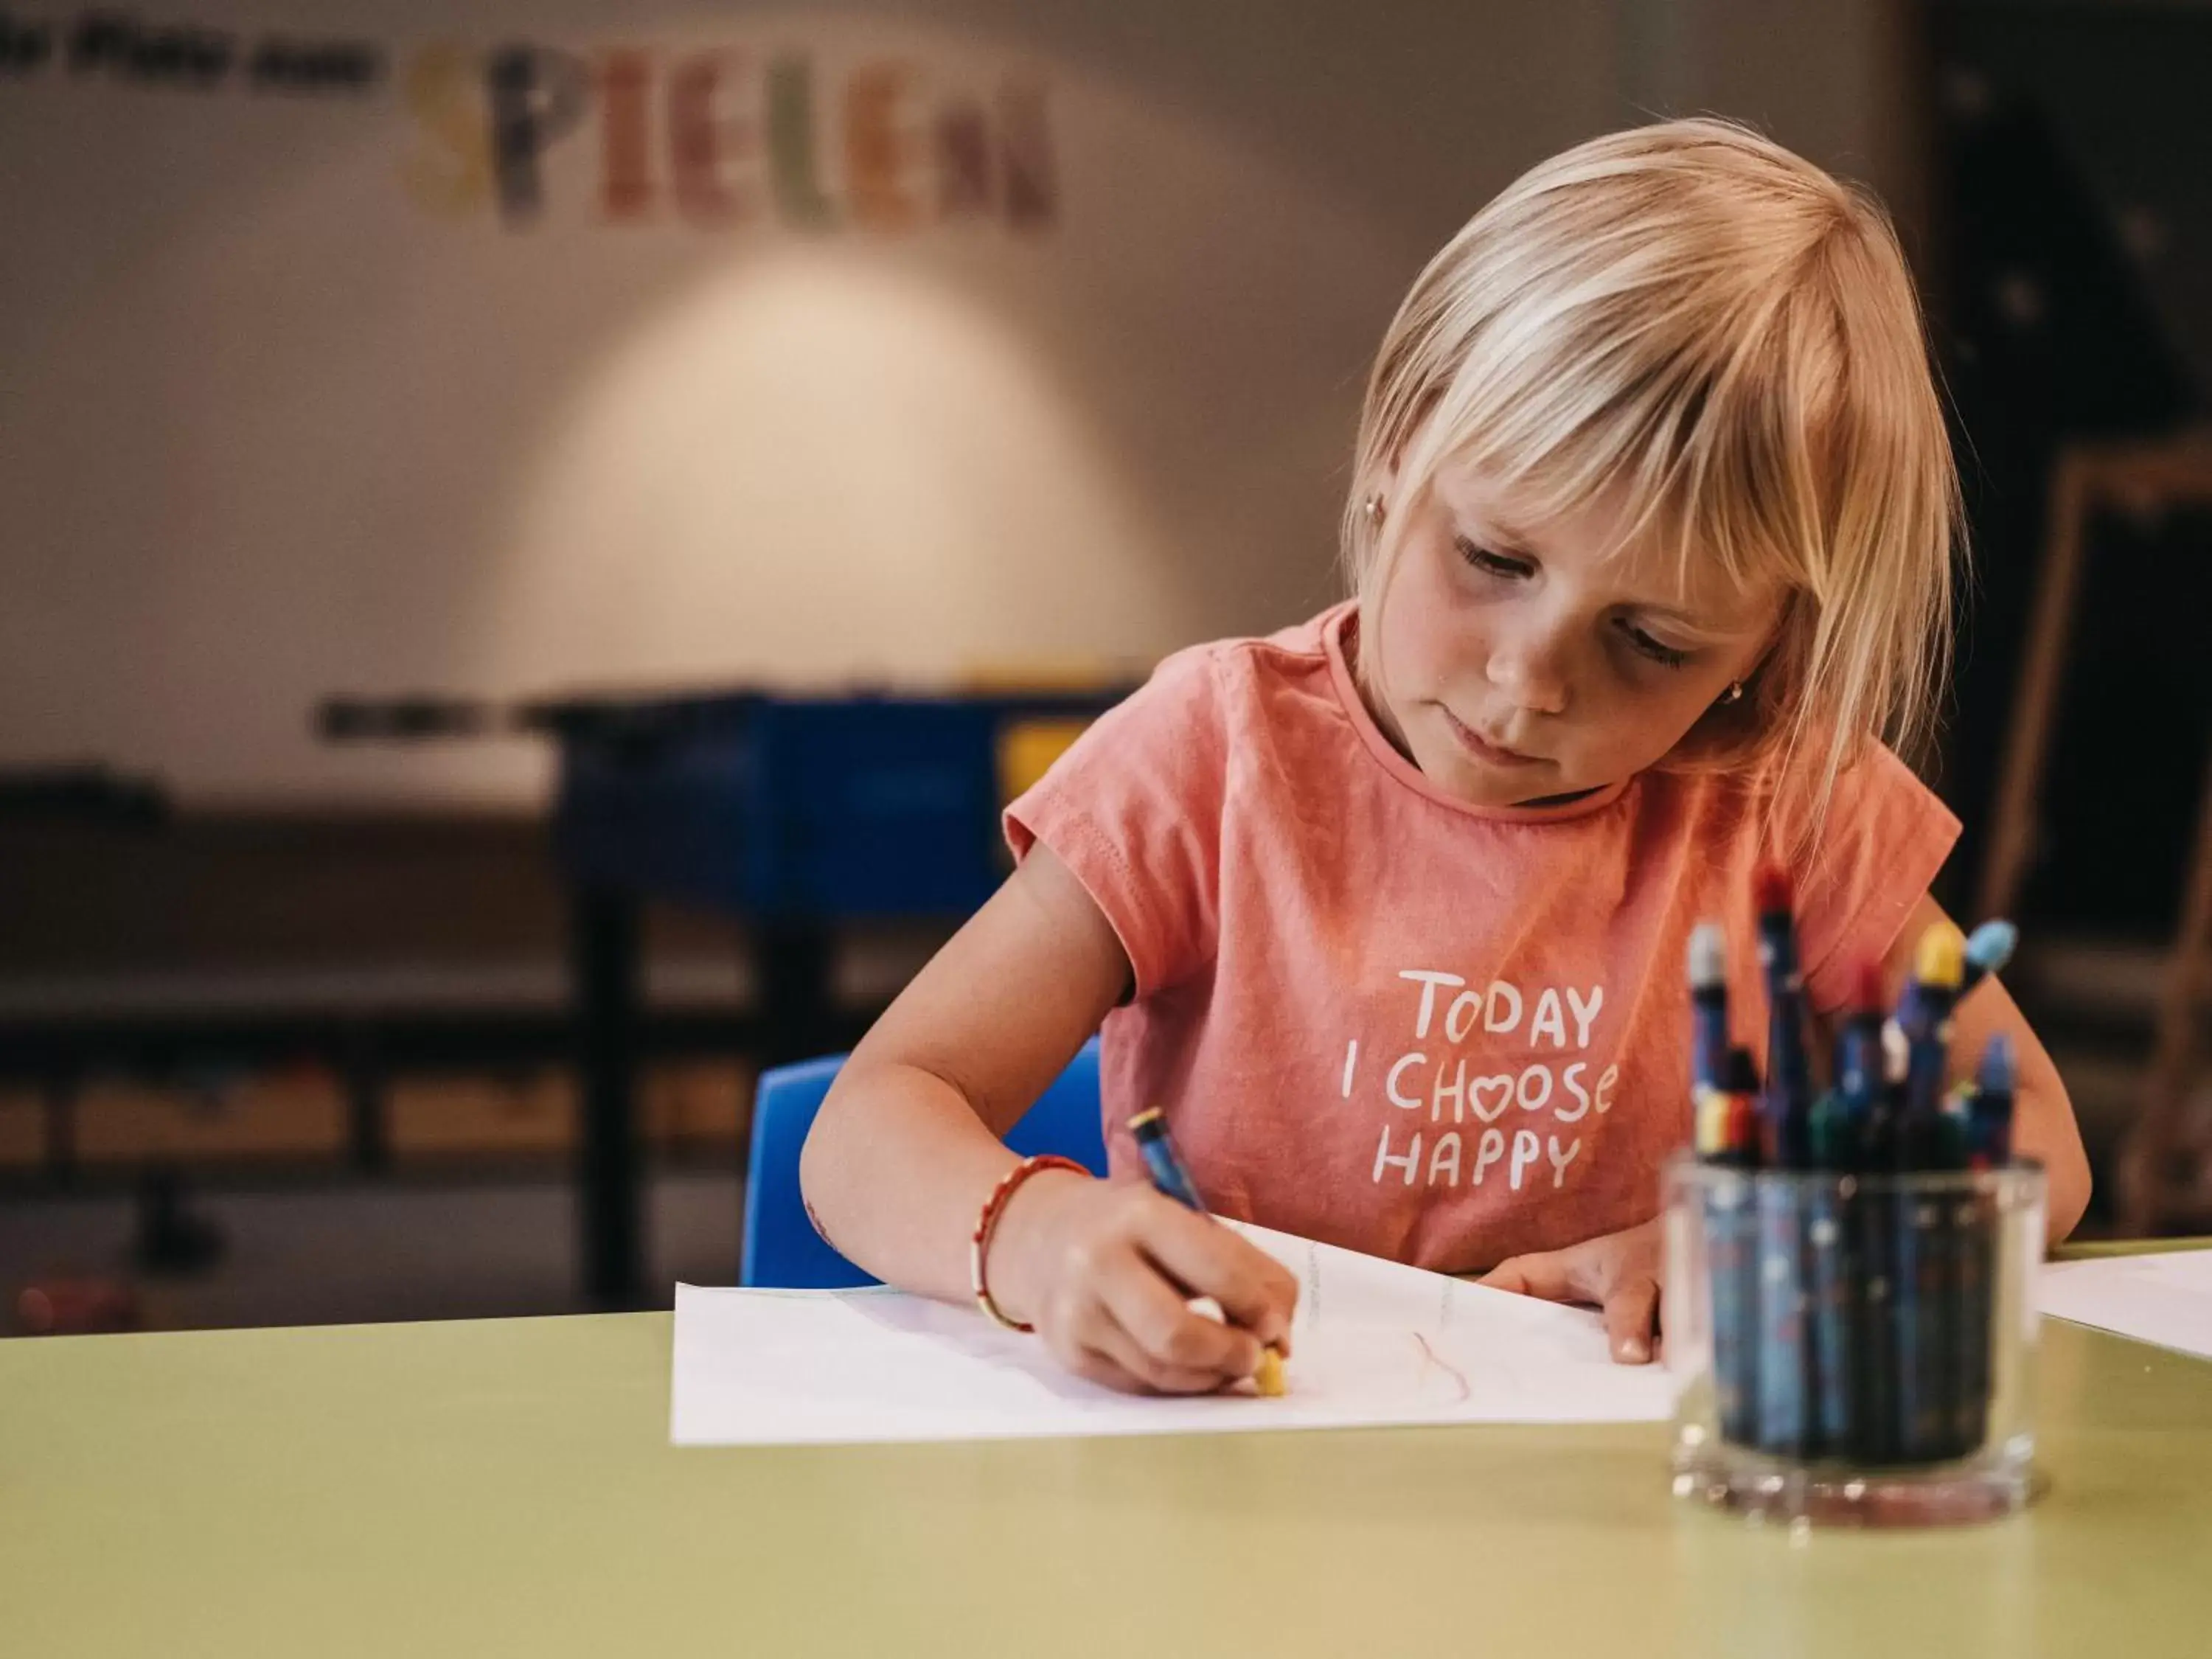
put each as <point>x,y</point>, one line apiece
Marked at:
<point>782,1251</point>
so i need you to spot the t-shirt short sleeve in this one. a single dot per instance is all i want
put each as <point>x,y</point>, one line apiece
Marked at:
<point>1882,839</point>
<point>1133,810</point>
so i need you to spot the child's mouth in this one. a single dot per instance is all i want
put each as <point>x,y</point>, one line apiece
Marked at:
<point>1482,748</point>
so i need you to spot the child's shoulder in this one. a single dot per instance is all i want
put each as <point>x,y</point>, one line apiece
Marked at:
<point>1205,703</point>
<point>1874,819</point>
<point>1781,789</point>
<point>1254,676</point>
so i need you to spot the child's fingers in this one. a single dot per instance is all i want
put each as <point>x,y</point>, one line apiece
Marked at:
<point>1154,1374</point>
<point>1087,1340</point>
<point>1548,1273</point>
<point>1631,1312</point>
<point>1257,1292</point>
<point>1094,1343</point>
<point>1095,1367</point>
<point>1158,1319</point>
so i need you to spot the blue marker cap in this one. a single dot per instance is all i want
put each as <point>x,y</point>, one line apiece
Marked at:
<point>1990,947</point>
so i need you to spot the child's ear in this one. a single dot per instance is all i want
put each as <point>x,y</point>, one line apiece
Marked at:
<point>1785,616</point>
<point>1411,435</point>
<point>1381,483</point>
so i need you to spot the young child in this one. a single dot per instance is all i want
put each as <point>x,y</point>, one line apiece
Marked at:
<point>1650,541</point>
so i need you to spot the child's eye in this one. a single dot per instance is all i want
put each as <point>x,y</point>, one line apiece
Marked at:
<point>1496,564</point>
<point>1657,650</point>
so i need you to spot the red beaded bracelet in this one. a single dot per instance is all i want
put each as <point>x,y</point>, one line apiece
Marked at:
<point>987,1223</point>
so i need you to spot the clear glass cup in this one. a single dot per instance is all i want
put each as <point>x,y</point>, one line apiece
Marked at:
<point>1853,1348</point>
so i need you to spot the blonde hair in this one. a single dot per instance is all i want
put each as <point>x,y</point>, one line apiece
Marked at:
<point>1691,311</point>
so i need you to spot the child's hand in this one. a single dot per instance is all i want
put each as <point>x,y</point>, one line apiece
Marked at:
<point>1106,1271</point>
<point>1618,1272</point>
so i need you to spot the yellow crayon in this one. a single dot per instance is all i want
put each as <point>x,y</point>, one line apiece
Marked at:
<point>1268,1379</point>
<point>1168,1175</point>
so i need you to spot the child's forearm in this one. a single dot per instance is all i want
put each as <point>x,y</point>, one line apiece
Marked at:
<point>906,1149</point>
<point>2044,1131</point>
<point>2044,1126</point>
<point>894,1173</point>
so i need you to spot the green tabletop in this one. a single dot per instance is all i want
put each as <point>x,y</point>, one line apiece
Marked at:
<point>506,1487</point>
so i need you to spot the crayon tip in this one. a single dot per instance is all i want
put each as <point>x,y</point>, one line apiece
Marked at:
<point>1771,890</point>
<point>1268,1378</point>
<point>1990,945</point>
<point>1739,1127</point>
<point>1708,956</point>
<point>1867,989</point>
<point>1940,961</point>
<point>1710,1122</point>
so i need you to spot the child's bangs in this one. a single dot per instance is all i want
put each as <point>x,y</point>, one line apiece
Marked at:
<point>1692,453</point>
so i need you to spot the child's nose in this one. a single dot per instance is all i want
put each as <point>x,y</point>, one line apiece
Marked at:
<point>1533,673</point>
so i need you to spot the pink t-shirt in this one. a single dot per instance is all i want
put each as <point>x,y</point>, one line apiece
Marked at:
<point>1385,1018</point>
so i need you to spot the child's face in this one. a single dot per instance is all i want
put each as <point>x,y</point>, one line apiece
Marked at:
<point>1520,660</point>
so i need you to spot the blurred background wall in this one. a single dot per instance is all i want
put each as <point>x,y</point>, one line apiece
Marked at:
<point>379,351</point>
<point>299,405</point>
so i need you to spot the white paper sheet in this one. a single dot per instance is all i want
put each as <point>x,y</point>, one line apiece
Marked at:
<point>1373,1343</point>
<point>2166,1298</point>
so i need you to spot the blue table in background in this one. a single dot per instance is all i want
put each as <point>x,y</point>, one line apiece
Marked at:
<point>796,814</point>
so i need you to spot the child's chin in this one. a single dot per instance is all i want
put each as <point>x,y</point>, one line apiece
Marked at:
<point>1469,780</point>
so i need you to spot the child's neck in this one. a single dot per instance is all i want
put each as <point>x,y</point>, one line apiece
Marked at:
<point>1567,800</point>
